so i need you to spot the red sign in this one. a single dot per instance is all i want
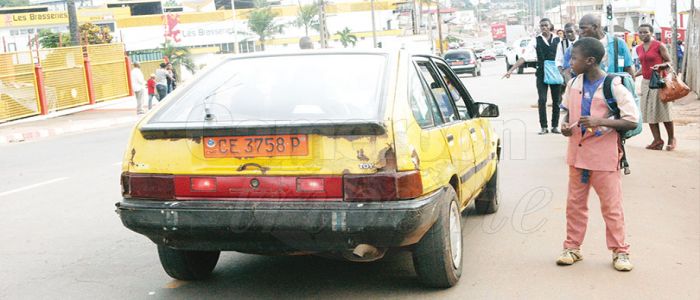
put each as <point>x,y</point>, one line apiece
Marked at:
<point>498,31</point>
<point>667,33</point>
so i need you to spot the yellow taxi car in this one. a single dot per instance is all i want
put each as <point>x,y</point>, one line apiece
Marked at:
<point>340,153</point>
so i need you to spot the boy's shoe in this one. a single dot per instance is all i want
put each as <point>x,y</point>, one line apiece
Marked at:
<point>543,131</point>
<point>556,130</point>
<point>621,262</point>
<point>569,257</point>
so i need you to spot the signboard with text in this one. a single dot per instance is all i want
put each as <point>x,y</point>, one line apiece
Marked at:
<point>498,31</point>
<point>667,33</point>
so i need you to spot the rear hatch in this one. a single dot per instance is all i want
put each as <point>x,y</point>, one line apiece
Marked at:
<point>459,58</point>
<point>273,127</point>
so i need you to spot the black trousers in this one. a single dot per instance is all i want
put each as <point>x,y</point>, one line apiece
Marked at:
<point>555,90</point>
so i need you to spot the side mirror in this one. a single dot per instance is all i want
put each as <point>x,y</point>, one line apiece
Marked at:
<point>487,110</point>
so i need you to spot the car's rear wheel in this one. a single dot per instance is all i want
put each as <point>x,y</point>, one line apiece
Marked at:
<point>508,66</point>
<point>437,258</point>
<point>187,265</point>
<point>474,72</point>
<point>487,201</point>
<point>521,69</point>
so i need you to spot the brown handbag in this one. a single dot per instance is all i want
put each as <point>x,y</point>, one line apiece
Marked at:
<point>674,89</point>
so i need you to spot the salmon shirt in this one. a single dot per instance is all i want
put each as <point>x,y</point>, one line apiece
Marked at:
<point>596,149</point>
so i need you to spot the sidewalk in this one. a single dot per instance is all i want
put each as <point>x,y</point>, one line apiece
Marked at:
<point>83,118</point>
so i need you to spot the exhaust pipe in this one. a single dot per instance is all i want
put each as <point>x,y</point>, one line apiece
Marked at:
<point>364,253</point>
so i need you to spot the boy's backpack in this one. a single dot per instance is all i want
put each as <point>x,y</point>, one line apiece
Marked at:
<point>612,105</point>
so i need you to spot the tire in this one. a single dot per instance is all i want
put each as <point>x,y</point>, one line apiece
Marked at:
<point>479,73</point>
<point>521,69</point>
<point>433,257</point>
<point>487,201</point>
<point>508,66</point>
<point>187,265</point>
<point>474,72</point>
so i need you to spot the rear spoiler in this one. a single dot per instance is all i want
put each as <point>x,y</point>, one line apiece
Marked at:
<point>202,129</point>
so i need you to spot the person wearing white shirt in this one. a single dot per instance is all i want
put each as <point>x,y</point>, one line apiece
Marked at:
<point>570,37</point>
<point>138,83</point>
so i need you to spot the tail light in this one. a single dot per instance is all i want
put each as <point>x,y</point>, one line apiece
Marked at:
<point>148,186</point>
<point>383,187</point>
<point>203,184</point>
<point>472,61</point>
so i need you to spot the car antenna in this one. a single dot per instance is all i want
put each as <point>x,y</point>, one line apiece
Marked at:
<point>208,115</point>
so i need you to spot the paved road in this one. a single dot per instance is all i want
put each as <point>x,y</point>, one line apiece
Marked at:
<point>60,237</point>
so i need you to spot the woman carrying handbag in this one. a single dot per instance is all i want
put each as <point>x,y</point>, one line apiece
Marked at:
<point>654,57</point>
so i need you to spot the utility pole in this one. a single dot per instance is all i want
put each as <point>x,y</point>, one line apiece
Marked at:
<point>414,17</point>
<point>73,23</point>
<point>236,46</point>
<point>439,26</point>
<point>374,29</point>
<point>322,23</point>
<point>420,15</point>
<point>674,33</point>
<point>476,14</point>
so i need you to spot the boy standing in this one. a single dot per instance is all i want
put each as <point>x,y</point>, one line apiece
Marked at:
<point>594,152</point>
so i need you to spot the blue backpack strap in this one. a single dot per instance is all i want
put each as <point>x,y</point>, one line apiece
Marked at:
<point>609,97</point>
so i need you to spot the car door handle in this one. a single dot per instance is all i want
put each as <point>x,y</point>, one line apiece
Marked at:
<point>450,138</point>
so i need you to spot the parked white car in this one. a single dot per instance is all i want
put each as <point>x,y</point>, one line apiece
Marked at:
<point>521,48</point>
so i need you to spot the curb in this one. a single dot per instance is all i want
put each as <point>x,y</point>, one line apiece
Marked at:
<point>78,126</point>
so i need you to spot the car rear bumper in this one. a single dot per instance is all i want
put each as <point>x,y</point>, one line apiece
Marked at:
<point>281,227</point>
<point>463,68</point>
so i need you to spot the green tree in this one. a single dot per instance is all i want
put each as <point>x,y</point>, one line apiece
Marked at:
<point>346,37</point>
<point>171,3</point>
<point>261,20</point>
<point>12,3</point>
<point>50,39</point>
<point>307,17</point>
<point>179,57</point>
<point>95,34</point>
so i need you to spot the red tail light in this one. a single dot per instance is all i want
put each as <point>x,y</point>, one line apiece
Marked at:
<point>383,187</point>
<point>310,185</point>
<point>472,61</point>
<point>148,186</point>
<point>203,184</point>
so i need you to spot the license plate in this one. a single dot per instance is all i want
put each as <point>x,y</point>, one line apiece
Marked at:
<point>253,146</point>
<point>457,63</point>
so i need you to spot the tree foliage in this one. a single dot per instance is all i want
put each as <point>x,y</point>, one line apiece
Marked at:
<point>13,3</point>
<point>347,38</point>
<point>94,34</point>
<point>50,39</point>
<point>307,17</point>
<point>261,20</point>
<point>178,56</point>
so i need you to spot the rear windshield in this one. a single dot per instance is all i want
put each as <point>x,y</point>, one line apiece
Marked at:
<point>458,56</point>
<point>328,87</point>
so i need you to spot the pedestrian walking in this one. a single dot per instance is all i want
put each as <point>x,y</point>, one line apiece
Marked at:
<point>680,52</point>
<point>546,47</point>
<point>654,56</point>
<point>138,83</point>
<point>170,78</point>
<point>151,85</point>
<point>617,56</point>
<point>162,81</point>
<point>593,152</point>
<point>564,52</point>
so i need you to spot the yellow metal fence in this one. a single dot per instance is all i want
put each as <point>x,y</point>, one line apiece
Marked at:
<point>109,78</point>
<point>64,77</point>
<point>149,67</point>
<point>18,96</point>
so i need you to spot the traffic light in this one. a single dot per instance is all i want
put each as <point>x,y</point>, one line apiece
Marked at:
<point>608,12</point>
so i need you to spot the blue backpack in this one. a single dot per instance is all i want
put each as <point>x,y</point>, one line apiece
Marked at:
<point>612,105</point>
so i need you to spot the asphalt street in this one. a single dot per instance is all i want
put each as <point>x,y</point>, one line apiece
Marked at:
<point>61,239</point>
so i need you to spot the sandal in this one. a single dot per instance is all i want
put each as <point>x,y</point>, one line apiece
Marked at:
<point>656,145</point>
<point>671,145</point>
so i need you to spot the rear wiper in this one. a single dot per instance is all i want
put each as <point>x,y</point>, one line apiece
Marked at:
<point>208,115</point>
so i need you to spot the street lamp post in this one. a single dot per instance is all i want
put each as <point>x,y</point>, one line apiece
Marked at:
<point>374,29</point>
<point>236,45</point>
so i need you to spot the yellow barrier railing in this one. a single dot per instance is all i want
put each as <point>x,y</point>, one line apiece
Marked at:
<point>108,71</point>
<point>18,97</point>
<point>64,77</point>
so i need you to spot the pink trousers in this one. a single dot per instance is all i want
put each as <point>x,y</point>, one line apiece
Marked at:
<point>608,186</point>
